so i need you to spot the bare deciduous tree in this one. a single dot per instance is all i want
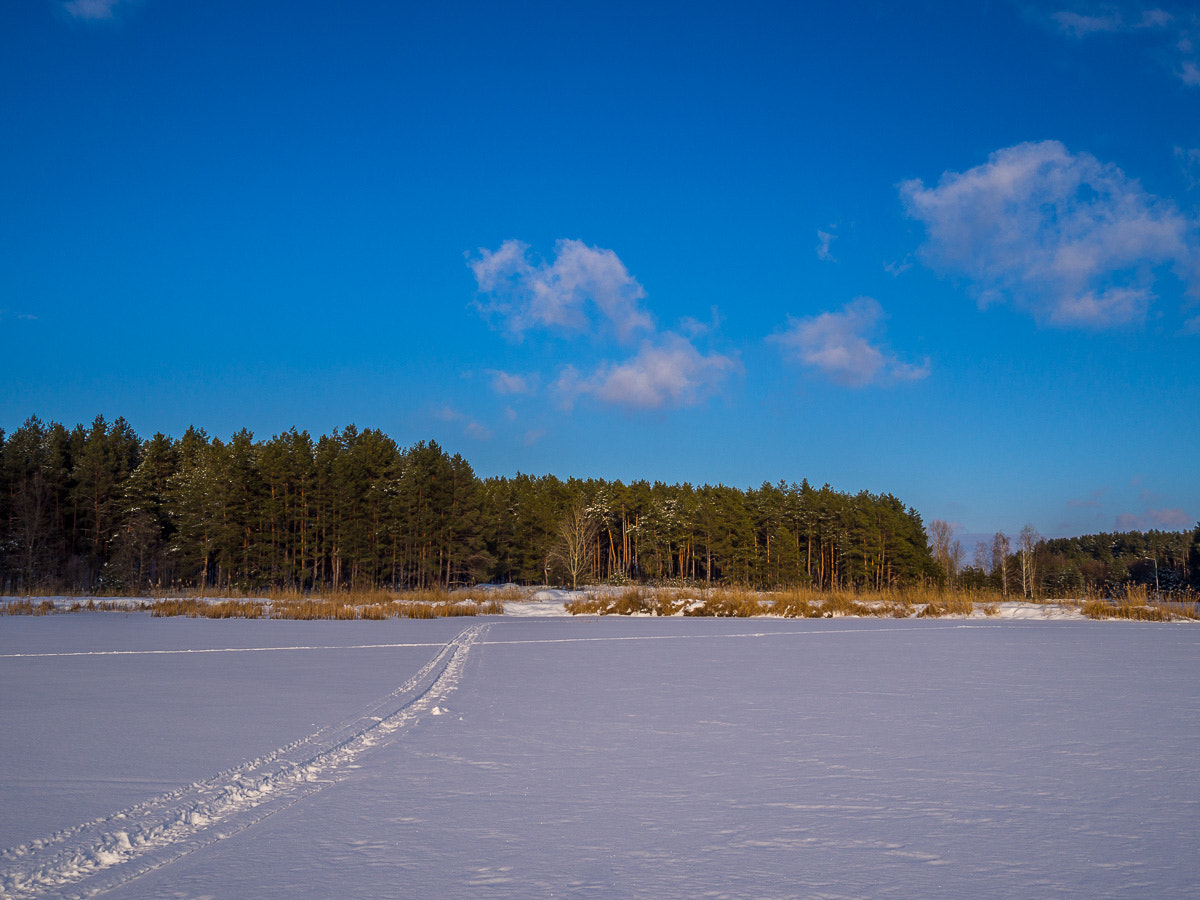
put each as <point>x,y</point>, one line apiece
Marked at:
<point>983,557</point>
<point>939,536</point>
<point>957,555</point>
<point>577,532</point>
<point>1000,548</point>
<point>1027,548</point>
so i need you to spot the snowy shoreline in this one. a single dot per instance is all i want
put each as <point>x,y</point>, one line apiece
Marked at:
<point>546,602</point>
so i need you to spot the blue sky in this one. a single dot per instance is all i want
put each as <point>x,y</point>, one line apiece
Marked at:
<point>947,251</point>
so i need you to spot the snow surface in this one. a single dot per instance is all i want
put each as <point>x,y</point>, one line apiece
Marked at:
<point>618,757</point>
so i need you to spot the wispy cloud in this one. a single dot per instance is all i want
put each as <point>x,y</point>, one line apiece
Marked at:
<point>824,241</point>
<point>667,373</point>
<point>1066,237</point>
<point>1165,519</point>
<point>694,328</point>
<point>839,346</point>
<point>1189,161</point>
<point>92,10</point>
<point>471,428</point>
<point>582,289</point>
<point>1174,32</point>
<point>1091,502</point>
<point>507,383</point>
<point>1081,25</point>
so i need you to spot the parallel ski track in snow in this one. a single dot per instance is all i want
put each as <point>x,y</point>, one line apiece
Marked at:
<point>101,855</point>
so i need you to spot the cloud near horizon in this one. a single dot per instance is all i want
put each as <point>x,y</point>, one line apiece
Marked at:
<point>1069,239</point>
<point>583,289</point>
<point>472,429</point>
<point>1162,519</point>
<point>838,344</point>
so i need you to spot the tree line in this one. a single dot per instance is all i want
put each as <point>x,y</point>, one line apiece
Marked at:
<point>98,509</point>
<point>1107,564</point>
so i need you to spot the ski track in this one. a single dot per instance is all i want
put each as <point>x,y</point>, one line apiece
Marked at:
<point>584,640</point>
<point>190,651</point>
<point>732,635</point>
<point>105,853</point>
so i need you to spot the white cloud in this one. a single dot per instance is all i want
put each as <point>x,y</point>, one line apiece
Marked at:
<point>588,289</point>
<point>584,288</point>
<point>1066,237</point>
<point>838,345</point>
<point>667,373</point>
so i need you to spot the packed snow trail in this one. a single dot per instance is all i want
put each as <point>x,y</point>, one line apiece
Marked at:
<point>103,854</point>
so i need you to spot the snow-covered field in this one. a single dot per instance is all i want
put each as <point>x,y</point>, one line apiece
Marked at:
<point>545,756</point>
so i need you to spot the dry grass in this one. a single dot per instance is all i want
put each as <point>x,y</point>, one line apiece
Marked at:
<point>27,607</point>
<point>729,603</point>
<point>1154,611</point>
<point>341,606</point>
<point>949,604</point>
<point>800,602</point>
<point>199,609</point>
<point>630,602</point>
<point>1135,603</point>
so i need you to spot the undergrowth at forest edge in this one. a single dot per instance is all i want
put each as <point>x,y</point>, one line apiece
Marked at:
<point>815,604</point>
<point>430,604</point>
<point>1135,603</point>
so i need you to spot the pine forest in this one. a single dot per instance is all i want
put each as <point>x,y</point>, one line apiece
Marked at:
<point>97,509</point>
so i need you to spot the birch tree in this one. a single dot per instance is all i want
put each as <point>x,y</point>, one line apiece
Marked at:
<point>577,532</point>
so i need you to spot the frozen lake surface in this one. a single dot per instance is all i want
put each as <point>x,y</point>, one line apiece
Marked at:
<point>517,757</point>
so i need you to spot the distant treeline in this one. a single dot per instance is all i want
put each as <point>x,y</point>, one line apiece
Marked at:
<point>98,509</point>
<point>1163,560</point>
<point>1167,562</point>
